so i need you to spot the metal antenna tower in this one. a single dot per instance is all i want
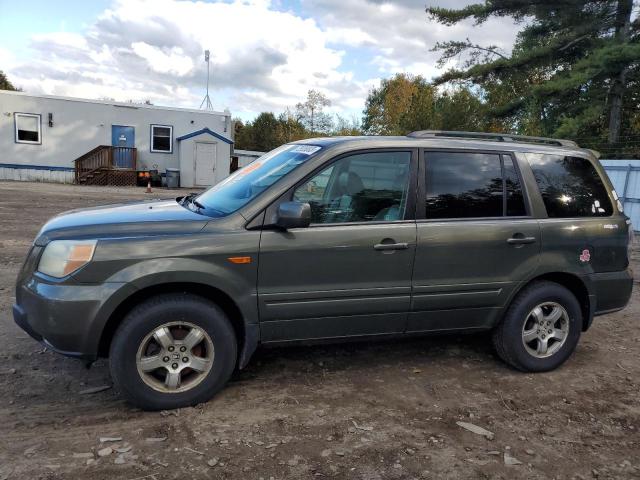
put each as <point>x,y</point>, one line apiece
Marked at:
<point>206,101</point>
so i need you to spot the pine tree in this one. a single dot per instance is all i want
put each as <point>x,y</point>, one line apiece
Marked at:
<point>5,84</point>
<point>573,66</point>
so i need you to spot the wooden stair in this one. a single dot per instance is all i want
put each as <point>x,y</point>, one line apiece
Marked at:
<point>107,165</point>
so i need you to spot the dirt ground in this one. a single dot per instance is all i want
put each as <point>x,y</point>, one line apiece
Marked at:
<point>361,411</point>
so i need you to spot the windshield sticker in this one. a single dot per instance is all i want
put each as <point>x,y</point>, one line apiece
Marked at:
<point>249,168</point>
<point>306,149</point>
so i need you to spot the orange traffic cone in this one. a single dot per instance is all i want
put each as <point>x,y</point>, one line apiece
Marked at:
<point>149,187</point>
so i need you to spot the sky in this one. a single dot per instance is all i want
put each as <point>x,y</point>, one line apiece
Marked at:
<point>265,54</point>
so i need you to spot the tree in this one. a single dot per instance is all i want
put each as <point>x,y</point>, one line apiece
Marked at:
<point>386,104</point>
<point>405,103</point>
<point>262,134</point>
<point>5,84</point>
<point>570,69</point>
<point>289,128</point>
<point>310,112</point>
<point>346,127</point>
<point>241,135</point>
<point>265,132</point>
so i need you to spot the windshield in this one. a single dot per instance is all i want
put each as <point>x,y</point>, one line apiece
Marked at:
<point>247,183</point>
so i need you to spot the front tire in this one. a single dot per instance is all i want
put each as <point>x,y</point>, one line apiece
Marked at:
<point>541,328</point>
<point>172,351</point>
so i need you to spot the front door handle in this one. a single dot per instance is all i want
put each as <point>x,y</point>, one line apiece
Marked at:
<point>391,246</point>
<point>517,240</point>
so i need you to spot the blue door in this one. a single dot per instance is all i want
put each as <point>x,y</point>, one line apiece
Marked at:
<point>125,137</point>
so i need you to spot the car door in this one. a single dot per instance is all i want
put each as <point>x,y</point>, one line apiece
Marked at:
<point>349,273</point>
<point>476,239</point>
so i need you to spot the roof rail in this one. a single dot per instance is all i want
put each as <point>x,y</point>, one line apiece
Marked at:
<point>498,137</point>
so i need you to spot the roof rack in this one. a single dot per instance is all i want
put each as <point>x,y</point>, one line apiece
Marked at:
<point>498,137</point>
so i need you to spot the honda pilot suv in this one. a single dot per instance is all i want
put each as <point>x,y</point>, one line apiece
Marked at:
<point>335,238</point>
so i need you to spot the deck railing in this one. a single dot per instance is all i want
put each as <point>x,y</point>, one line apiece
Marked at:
<point>105,157</point>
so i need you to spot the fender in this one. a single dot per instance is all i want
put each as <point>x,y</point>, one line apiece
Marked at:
<point>579,283</point>
<point>235,283</point>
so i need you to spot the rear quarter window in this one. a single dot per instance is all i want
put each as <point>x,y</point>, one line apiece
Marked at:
<point>570,186</point>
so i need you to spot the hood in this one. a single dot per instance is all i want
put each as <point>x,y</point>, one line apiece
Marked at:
<point>134,219</point>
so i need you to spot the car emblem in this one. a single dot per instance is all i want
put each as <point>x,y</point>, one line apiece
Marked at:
<point>585,256</point>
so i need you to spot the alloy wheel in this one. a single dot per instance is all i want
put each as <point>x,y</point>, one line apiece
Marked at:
<point>175,357</point>
<point>545,329</point>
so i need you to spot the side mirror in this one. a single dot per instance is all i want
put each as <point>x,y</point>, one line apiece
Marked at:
<point>293,215</point>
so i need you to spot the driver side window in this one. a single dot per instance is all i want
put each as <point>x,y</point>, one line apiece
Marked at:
<point>363,187</point>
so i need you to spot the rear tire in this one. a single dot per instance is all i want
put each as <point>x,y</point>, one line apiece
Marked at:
<point>172,351</point>
<point>541,328</point>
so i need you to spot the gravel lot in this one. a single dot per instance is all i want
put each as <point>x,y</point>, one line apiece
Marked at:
<point>366,410</point>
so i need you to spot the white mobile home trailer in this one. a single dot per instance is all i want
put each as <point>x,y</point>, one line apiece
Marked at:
<point>42,136</point>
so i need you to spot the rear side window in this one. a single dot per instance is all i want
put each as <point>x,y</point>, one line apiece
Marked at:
<point>570,186</point>
<point>472,185</point>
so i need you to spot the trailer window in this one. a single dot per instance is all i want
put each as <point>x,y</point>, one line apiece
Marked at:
<point>161,139</point>
<point>27,128</point>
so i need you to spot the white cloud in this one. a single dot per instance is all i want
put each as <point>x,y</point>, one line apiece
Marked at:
<point>173,62</point>
<point>63,39</point>
<point>7,59</point>
<point>403,33</point>
<point>154,49</point>
<point>262,58</point>
<point>353,37</point>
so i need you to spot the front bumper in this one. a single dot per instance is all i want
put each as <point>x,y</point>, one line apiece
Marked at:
<point>68,318</point>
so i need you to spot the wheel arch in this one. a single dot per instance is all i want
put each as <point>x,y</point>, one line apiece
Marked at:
<point>574,284</point>
<point>246,334</point>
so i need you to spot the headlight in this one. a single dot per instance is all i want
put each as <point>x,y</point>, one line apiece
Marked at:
<point>63,257</point>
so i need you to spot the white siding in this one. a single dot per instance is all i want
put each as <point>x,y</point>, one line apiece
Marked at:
<point>187,152</point>
<point>245,157</point>
<point>81,125</point>
<point>40,175</point>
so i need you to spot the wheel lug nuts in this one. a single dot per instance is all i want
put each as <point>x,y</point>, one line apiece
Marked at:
<point>549,331</point>
<point>183,349</point>
<point>185,359</point>
<point>543,336</point>
<point>171,349</point>
<point>174,366</point>
<point>165,359</point>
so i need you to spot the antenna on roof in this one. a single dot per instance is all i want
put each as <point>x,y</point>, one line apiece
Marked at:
<point>206,101</point>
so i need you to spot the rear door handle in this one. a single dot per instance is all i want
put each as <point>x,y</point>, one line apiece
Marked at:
<point>391,246</point>
<point>521,240</point>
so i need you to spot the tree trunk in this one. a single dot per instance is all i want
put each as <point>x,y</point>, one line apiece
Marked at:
<point>616,92</point>
<point>312,120</point>
<point>615,106</point>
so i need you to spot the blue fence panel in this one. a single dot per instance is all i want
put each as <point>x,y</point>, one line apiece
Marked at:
<point>625,176</point>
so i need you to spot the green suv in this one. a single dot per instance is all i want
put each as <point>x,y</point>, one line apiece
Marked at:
<point>334,238</point>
